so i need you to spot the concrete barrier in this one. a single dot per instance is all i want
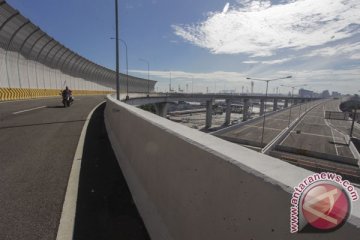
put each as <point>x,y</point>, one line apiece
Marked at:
<point>191,185</point>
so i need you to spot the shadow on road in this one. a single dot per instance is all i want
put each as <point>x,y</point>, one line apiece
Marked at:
<point>59,106</point>
<point>105,209</point>
<point>42,124</point>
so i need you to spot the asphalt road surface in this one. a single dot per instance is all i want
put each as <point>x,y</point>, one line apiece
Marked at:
<point>250,134</point>
<point>38,139</point>
<point>105,208</point>
<point>314,133</point>
<point>341,126</point>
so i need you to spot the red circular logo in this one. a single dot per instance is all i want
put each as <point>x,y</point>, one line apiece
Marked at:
<point>325,206</point>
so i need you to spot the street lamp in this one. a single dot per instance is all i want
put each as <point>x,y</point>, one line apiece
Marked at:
<point>117,51</point>
<point>127,67</point>
<point>292,95</point>
<point>148,64</point>
<point>170,90</point>
<point>267,85</point>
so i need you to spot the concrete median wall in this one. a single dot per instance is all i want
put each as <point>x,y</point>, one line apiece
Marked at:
<point>191,185</point>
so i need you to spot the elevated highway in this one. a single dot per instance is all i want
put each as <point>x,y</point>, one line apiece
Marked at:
<point>306,138</point>
<point>38,140</point>
<point>185,184</point>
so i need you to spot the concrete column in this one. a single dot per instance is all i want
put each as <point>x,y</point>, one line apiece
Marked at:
<point>161,109</point>
<point>275,104</point>
<point>286,104</point>
<point>246,110</point>
<point>228,112</point>
<point>208,114</point>
<point>296,101</point>
<point>262,107</point>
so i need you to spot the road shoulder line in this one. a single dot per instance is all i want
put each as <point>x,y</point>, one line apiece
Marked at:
<point>28,110</point>
<point>67,219</point>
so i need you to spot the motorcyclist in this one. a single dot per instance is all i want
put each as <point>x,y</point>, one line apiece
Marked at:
<point>67,92</point>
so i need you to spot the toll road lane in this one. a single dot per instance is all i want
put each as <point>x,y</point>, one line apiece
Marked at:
<point>313,133</point>
<point>36,150</point>
<point>274,124</point>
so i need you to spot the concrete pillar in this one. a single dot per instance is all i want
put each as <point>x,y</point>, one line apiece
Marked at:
<point>208,114</point>
<point>286,104</point>
<point>246,110</point>
<point>296,101</point>
<point>161,109</point>
<point>275,104</point>
<point>228,112</point>
<point>262,107</point>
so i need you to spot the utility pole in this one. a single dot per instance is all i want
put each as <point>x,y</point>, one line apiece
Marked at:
<point>117,51</point>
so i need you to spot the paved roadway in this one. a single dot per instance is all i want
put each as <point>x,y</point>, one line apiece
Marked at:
<point>341,126</point>
<point>36,153</point>
<point>317,134</point>
<point>250,134</point>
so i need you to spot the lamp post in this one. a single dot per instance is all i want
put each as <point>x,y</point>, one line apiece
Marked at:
<point>170,90</point>
<point>292,95</point>
<point>117,51</point>
<point>267,86</point>
<point>127,66</point>
<point>148,64</point>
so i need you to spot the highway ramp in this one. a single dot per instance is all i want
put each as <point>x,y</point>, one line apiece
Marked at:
<point>38,139</point>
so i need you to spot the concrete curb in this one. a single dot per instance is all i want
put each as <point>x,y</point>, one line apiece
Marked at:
<point>67,220</point>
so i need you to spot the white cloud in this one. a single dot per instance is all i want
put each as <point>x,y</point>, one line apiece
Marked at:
<point>276,61</point>
<point>317,80</point>
<point>251,62</point>
<point>209,76</point>
<point>355,56</point>
<point>259,28</point>
<point>336,50</point>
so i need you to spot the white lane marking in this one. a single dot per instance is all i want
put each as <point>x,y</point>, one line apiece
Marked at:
<point>67,220</point>
<point>316,135</point>
<point>301,120</point>
<point>314,116</point>
<point>28,110</point>
<point>279,119</point>
<point>275,129</point>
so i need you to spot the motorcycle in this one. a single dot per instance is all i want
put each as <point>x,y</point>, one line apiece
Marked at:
<point>67,99</point>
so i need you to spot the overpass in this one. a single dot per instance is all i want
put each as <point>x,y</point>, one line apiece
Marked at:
<point>160,102</point>
<point>186,184</point>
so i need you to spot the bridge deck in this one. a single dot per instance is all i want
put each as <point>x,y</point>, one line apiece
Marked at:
<point>317,135</point>
<point>312,133</point>
<point>274,124</point>
<point>38,139</point>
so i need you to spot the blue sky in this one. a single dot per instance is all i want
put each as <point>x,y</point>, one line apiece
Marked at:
<point>215,43</point>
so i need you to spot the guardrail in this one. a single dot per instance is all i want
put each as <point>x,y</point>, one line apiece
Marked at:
<point>190,185</point>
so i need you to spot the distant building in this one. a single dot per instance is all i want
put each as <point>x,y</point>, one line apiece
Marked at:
<point>305,93</point>
<point>228,91</point>
<point>335,94</point>
<point>325,94</point>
